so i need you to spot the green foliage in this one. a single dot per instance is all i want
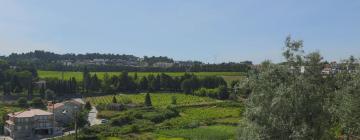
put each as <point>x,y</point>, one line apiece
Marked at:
<point>212,82</point>
<point>22,102</point>
<point>114,100</point>
<point>122,120</point>
<point>347,102</point>
<point>173,100</point>
<point>106,114</point>
<point>223,93</point>
<point>88,105</point>
<point>126,83</point>
<point>147,100</point>
<point>160,115</point>
<point>143,84</point>
<point>42,91</point>
<point>218,132</point>
<point>286,103</point>
<point>194,117</point>
<point>190,112</point>
<point>86,80</point>
<point>49,95</point>
<point>37,103</point>
<point>191,84</point>
<point>4,110</point>
<point>78,75</point>
<point>81,118</point>
<point>212,93</point>
<point>219,93</point>
<point>62,86</point>
<point>158,99</point>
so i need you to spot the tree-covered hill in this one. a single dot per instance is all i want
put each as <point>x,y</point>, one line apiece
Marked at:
<point>44,60</point>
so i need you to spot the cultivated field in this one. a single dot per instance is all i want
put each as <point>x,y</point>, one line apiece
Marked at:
<point>199,117</point>
<point>158,99</point>
<point>228,76</point>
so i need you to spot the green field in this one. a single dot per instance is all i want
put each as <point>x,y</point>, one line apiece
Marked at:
<point>202,116</point>
<point>78,75</point>
<point>216,132</point>
<point>199,117</point>
<point>228,76</point>
<point>158,100</point>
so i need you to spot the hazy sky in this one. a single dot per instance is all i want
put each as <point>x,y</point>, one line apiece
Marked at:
<point>205,30</point>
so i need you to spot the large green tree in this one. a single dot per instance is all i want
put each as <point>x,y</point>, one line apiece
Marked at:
<point>347,105</point>
<point>288,103</point>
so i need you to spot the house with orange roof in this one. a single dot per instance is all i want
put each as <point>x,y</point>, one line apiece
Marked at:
<point>29,124</point>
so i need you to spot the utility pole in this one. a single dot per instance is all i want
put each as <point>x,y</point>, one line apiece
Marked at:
<point>76,134</point>
<point>53,111</point>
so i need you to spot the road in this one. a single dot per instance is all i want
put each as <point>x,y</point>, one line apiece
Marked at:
<point>5,138</point>
<point>92,117</point>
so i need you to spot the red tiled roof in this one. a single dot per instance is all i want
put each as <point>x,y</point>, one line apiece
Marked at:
<point>57,105</point>
<point>29,113</point>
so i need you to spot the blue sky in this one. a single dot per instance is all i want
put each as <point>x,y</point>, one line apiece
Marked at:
<point>205,30</point>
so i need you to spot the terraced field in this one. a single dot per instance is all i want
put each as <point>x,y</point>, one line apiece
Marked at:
<point>199,117</point>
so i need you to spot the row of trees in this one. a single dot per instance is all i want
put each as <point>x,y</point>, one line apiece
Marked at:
<point>288,103</point>
<point>161,82</point>
<point>17,79</point>
<point>125,83</point>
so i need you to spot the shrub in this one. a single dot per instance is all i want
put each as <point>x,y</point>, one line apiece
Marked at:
<point>121,120</point>
<point>173,100</point>
<point>37,103</point>
<point>212,93</point>
<point>125,100</point>
<point>148,100</point>
<point>218,93</point>
<point>160,115</point>
<point>107,114</point>
<point>114,99</point>
<point>88,105</point>
<point>144,125</point>
<point>223,93</point>
<point>22,102</point>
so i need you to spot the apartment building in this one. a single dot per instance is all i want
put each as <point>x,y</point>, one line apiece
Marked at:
<point>29,124</point>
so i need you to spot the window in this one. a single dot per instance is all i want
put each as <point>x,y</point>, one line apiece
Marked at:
<point>19,128</point>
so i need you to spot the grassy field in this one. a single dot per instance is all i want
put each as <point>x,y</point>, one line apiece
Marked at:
<point>78,75</point>
<point>216,132</point>
<point>158,99</point>
<point>199,117</point>
<point>202,116</point>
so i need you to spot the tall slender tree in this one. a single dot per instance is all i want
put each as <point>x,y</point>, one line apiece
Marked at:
<point>86,80</point>
<point>148,100</point>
